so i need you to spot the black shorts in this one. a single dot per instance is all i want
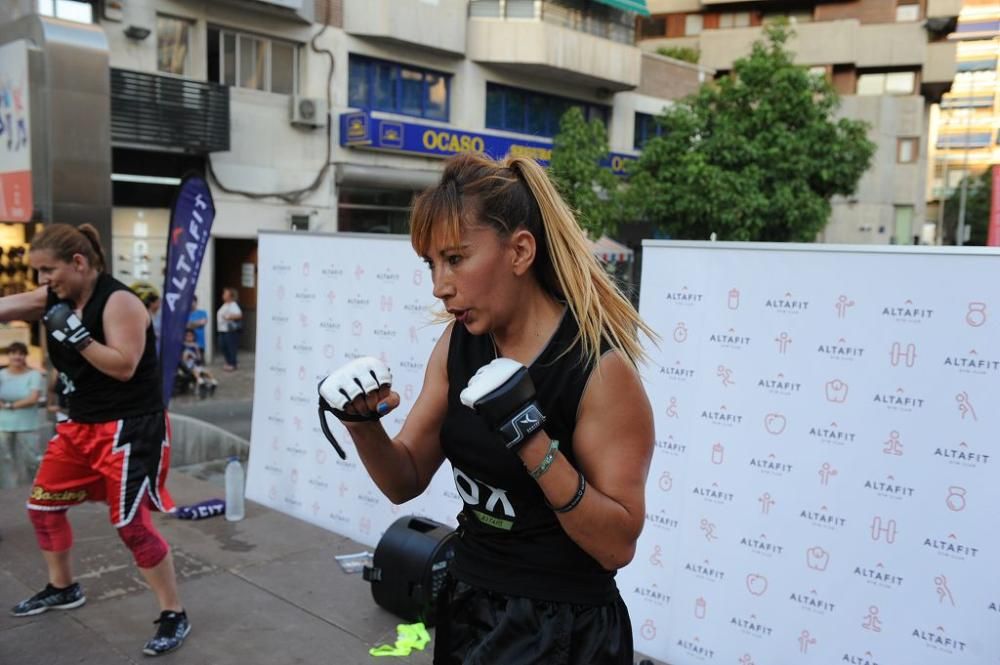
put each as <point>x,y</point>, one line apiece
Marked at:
<point>479,627</point>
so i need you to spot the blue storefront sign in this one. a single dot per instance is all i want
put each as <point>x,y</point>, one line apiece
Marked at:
<point>359,129</point>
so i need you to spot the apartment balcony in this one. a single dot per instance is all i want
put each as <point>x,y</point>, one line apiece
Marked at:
<point>438,26</point>
<point>148,111</point>
<point>595,47</point>
<point>844,41</point>
<point>937,8</point>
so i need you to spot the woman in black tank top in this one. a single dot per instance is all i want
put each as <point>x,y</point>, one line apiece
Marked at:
<point>550,512</point>
<point>114,446</point>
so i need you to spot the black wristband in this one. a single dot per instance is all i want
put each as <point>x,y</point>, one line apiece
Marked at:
<point>575,501</point>
<point>518,429</point>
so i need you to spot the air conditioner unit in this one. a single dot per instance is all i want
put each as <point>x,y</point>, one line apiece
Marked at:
<point>308,111</point>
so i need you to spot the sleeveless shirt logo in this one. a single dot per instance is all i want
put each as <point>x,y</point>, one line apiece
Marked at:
<point>472,492</point>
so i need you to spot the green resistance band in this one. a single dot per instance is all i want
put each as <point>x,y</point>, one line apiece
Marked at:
<point>409,637</point>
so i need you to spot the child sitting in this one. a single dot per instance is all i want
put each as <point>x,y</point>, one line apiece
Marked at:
<point>194,362</point>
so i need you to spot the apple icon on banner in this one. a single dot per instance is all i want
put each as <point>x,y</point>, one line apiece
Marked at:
<point>774,423</point>
<point>756,584</point>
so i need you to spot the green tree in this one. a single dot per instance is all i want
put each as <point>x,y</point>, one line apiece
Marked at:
<point>977,209</point>
<point>756,155</point>
<point>578,151</point>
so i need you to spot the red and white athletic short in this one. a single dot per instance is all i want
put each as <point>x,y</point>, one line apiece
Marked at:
<point>119,462</point>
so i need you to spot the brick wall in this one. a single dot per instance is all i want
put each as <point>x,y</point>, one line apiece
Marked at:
<point>663,78</point>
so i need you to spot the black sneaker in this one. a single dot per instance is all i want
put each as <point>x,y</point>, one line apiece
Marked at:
<point>173,628</point>
<point>50,598</point>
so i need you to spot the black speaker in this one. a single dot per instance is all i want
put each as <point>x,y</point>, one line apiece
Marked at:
<point>409,567</point>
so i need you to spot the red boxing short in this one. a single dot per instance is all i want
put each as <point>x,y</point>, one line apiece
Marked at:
<point>120,462</point>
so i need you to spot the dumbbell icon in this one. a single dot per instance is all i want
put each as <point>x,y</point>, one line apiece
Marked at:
<point>889,530</point>
<point>906,355</point>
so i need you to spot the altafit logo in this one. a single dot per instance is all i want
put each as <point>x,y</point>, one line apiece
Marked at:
<point>277,420</point>
<point>353,355</point>
<point>786,304</point>
<point>898,401</point>
<point>812,602</point>
<point>651,595</point>
<point>683,297</point>
<point>414,307</point>
<point>670,446</point>
<point>279,319</point>
<point>696,649</point>
<point>770,465</point>
<point>387,276</point>
<point>832,434</point>
<point>840,350</point>
<point>761,545</point>
<point>302,347</point>
<point>277,370</point>
<point>971,363</point>
<point>864,659</point>
<point>908,312</point>
<point>879,576</point>
<point>780,385</point>
<point>751,626</point>
<point>713,494</point>
<point>281,267</point>
<point>951,547</point>
<point>295,450</point>
<point>994,606</point>
<point>332,271</point>
<point>330,325</point>
<point>729,340</point>
<point>823,518</point>
<point>705,571</point>
<point>339,518</point>
<point>368,499</point>
<point>299,398</point>
<point>411,365</point>
<point>722,416</point>
<point>384,332</point>
<point>293,502</point>
<point>662,521</point>
<point>676,372</point>
<point>272,468</point>
<point>939,640</point>
<point>962,455</point>
<point>889,488</point>
<point>358,301</point>
<point>305,296</point>
<point>319,482</point>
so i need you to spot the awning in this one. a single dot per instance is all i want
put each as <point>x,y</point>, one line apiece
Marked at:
<point>610,251</point>
<point>637,6</point>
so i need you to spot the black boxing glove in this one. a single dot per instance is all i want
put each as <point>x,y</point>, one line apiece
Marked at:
<point>66,326</point>
<point>503,393</point>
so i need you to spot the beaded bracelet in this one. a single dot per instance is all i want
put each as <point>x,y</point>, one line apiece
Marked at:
<point>575,501</point>
<point>546,461</point>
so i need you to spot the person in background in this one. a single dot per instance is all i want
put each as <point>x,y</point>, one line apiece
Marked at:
<point>194,362</point>
<point>228,322</point>
<point>20,447</point>
<point>153,304</point>
<point>197,320</point>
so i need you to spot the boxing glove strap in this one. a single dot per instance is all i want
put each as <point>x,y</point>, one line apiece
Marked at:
<point>522,425</point>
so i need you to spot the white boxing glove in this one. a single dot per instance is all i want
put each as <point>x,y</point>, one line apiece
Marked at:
<point>503,393</point>
<point>358,377</point>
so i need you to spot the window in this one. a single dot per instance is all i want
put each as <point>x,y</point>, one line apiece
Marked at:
<point>251,61</point>
<point>646,128</point>
<point>529,112</point>
<point>907,150</point>
<point>653,26</point>
<point>370,210</point>
<point>734,19</point>
<point>693,24</point>
<point>907,13</point>
<point>891,83</point>
<point>69,10</point>
<point>395,88</point>
<point>173,45</point>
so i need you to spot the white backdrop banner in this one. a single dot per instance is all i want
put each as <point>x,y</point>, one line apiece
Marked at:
<point>322,301</point>
<point>824,486</point>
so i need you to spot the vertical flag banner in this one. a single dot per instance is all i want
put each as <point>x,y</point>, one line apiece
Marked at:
<point>190,227</point>
<point>993,234</point>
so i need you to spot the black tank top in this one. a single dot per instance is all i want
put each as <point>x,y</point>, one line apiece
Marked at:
<point>511,541</point>
<point>93,396</point>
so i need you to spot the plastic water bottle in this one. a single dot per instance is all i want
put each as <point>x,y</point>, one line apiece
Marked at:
<point>234,490</point>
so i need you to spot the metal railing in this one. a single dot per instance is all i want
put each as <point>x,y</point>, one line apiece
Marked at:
<point>589,17</point>
<point>148,109</point>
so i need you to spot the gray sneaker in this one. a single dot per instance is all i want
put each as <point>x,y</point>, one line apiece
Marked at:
<point>173,627</point>
<point>50,598</point>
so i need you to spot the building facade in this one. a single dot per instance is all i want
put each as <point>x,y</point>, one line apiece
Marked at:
<point>328,115</point>
<point>964,138</point>
<point>890,60</point>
